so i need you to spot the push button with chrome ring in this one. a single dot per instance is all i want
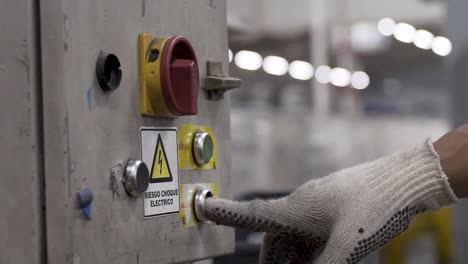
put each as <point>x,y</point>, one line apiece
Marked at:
<point>199,204</point>
<point>203,148</point>
<point>136,178</point>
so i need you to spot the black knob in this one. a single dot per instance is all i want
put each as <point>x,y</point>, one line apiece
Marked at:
<point>108,72</point>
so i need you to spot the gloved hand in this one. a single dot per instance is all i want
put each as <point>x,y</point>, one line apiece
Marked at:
<point>343,217</point>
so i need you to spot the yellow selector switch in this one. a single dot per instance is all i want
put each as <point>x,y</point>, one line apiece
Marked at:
<point>169,78</point>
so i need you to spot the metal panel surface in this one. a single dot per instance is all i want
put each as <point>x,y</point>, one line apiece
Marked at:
<point>20,149</point>
<point>456,68</point>
<point>88,131</point>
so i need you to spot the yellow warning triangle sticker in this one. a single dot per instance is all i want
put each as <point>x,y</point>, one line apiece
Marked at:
<point>160,171</point>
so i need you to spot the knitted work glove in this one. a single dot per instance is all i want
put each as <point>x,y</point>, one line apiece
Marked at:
<point>345,216</point>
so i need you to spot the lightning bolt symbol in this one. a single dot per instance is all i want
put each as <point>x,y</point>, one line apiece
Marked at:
<point>160,162</point>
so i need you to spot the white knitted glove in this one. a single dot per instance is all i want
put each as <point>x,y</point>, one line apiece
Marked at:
<point>345,216</point>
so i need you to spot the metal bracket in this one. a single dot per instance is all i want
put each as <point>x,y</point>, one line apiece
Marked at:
<point>216,83</point>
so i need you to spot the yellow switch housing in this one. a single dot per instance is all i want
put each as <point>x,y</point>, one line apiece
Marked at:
<point>151,95</point>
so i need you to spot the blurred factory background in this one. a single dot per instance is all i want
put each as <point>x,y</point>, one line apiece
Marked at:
<point>328,84</point>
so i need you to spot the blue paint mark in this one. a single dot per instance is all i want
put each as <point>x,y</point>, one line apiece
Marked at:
<point>87,212</point>
<point>88,96</point>
<point>85,198</point>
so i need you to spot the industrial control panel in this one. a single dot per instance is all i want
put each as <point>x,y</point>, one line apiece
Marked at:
<point>130,119</point>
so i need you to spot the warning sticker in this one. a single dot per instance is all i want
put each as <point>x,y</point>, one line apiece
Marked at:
<point>160,171</point>
<point>159,152</point>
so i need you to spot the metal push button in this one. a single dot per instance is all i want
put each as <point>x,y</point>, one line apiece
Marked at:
<point>197,148</point>
<point>199,204</point>
<point>203,148</point>
<point>136,178</point>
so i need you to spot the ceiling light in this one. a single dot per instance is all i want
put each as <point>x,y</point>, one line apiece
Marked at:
<point>340,77</point>
<point>441,46</point>
<point>248,60</point>
<point>404,32</point>
<point>360,80</point>
<point>301,70</point>
<point>275,65</point>
<point>386,26</point>
<point>230,55</point>
<point>322,74</point>
<point>423,39</point>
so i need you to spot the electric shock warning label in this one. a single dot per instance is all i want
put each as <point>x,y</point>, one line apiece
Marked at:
<point>159,151</point>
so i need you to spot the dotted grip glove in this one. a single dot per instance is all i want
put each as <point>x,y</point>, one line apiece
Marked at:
<point>343,217</point>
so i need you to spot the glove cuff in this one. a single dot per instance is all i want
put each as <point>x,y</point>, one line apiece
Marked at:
<point>448,196</point>
<point>413,177</point>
